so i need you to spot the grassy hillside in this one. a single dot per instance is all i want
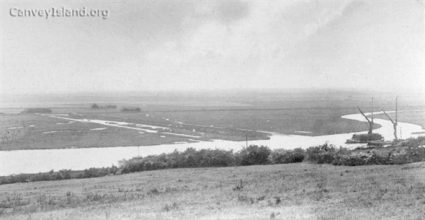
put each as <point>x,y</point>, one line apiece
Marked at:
<point>293,191</point>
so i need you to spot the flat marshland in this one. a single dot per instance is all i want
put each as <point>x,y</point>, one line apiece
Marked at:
<point>32,131</point>
<point>192,118</point>
<point>290,191</point>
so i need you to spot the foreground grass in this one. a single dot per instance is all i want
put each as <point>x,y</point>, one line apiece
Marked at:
<point>291,191</point>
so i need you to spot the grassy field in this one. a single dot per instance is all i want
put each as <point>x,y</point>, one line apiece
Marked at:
<point>292,191</point>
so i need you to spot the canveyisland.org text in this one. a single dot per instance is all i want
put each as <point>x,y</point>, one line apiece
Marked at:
<point>60,12</point>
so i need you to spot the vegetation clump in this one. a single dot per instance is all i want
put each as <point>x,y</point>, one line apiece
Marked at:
<point>287,156</point>
<point>321,154</point>
<point>253,155</point>
<point>187,158</point>
<point>59,175</point>
<point>363,138</point>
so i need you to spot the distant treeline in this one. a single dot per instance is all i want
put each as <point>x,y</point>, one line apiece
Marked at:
<point>97,106</point>
<point>412,150</point>
<point>131,109</point>
<point>37,110</point>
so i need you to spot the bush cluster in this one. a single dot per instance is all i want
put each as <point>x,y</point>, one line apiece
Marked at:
<point>287,156</point>
<point>59,175</point>
<point>253,155</point>
<point>409,151</point>
<point>321,154</point>
<point>188,158</point>
<point>367,137</point>
<point>415,142</point>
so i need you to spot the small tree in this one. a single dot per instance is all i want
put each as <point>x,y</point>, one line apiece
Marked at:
<point>254,155</point>
<point>95,106</point>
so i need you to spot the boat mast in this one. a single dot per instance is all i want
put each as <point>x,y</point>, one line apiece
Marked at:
<point>396,106</point>
<point>396,117</point>
<point>372,112</point>
<point>368,121</point>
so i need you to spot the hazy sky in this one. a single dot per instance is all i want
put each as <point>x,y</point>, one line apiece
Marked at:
<point>214,44</point>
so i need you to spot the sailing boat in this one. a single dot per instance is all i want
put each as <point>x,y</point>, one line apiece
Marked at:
<point>370,136</point>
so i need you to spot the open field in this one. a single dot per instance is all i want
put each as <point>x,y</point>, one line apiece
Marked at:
<point>292,191</point>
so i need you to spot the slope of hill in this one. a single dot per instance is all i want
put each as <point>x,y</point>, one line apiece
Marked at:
<point>293,191</point>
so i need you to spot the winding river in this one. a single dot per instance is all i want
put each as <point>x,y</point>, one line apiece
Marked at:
<point>33,161</point>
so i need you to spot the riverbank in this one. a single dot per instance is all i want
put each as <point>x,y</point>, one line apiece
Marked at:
<point>290,191</point>
<point>407,151</point>
<point>35,161</point>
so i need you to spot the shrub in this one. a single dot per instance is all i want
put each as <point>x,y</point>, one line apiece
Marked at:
<point>254,155</point>
<point>367,137</point>
<point>414,142</point>
<point>98,172</point>
<point>388,155</point>
<point>287,156</point>
<point>217,158</point>
<point>352,159</point>
<point>321,154</point>
<point>406,155</point>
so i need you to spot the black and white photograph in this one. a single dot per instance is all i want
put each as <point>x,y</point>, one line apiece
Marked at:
<point>212,109</point>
